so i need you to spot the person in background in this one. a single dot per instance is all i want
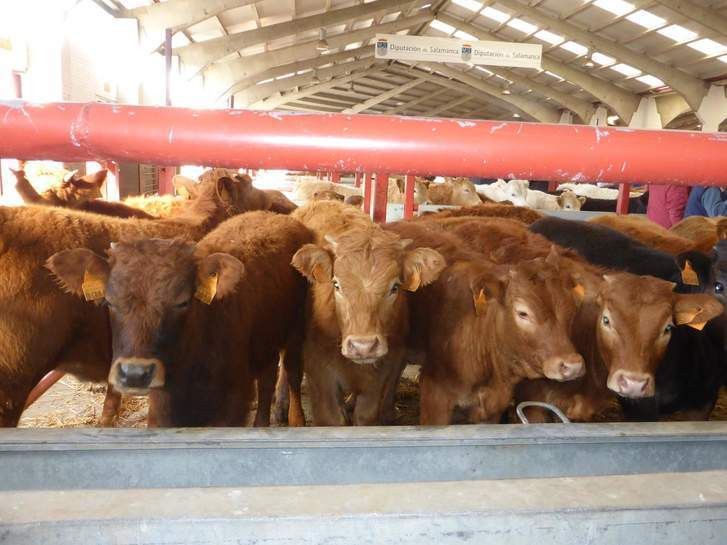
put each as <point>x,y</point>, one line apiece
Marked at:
<point>707,201</point>
<point>666,204</point>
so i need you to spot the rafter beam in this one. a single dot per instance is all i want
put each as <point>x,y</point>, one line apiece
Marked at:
<point>273,102</point>
<point>706,17</point>
<point>373,101</point>
<point>237,74</point>
<point>621,101</point>
<point>180,14</point>
<point>693,89</point>
<point>446,106</point>
<point>202,53</point>
<point>261,92</point>
<point>540,112</point>
<point>408,105</point>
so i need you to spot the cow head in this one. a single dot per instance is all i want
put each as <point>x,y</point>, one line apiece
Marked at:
<point>516,191</point>
<point>240,195</point>
<point>535,303</point>
<point>327,195</point>
<point>635,320</point>
<point>570,201</point>
<point>464,193</point>
<point>717,281</point>
<point>75,189</point>
<point>364,274</point>
<point>150,287</point>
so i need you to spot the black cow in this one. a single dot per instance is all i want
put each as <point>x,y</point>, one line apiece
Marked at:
<point>693,369</point>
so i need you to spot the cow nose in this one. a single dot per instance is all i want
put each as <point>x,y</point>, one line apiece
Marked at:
<point>631,386</point>
<point>364,348</point>
<point>135,375</point>
<point>562,368</point>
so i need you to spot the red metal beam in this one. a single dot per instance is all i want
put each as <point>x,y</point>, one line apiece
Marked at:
<point>381,197</point>
<point>409,196</point>
<point>408,145</point>
<point>368,182</point>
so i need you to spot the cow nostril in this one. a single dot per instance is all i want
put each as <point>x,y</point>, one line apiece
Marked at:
<point>136,376</point>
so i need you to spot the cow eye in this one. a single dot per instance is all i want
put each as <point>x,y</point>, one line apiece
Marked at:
<point>394,289</point>
<point>606,321</point>
<point>336,285</point>
<point>182,305</point>
<point>668,328</point>
<point>522,315</point>
<point>718,287</point>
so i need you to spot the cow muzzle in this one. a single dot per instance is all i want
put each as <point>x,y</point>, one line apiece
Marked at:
<point>563,368</point>
<point>631,385</point>
<point>136,376</point>
<point>364,349</point>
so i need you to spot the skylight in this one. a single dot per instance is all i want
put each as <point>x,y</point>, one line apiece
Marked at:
<point>462,35</point>
<point>617,7</point>
<point>646,19</point>
<point>549,37</point>
<point>603,60</point>
<point>626,70</point>
<point>708,47</point>
<point>496,14</point>
<point>677,33</point>
<point>442,27</point>
<point>651,81</point>
<point>522,26</point>
<point>575,47</point>
<point>469,4</point>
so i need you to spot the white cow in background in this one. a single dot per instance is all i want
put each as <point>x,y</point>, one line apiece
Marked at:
<point>518,192</point>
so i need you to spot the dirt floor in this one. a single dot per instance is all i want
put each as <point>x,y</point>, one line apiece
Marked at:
<point>74,404</point>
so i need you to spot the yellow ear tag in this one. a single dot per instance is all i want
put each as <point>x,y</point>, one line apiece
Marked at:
<point>689,276</point>
<point>579,291</point>
<point>206,289</point>
<point>93,287</point>
<point>480,303</point>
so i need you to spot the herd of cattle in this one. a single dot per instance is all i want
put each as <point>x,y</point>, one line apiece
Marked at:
<point>195,301</point>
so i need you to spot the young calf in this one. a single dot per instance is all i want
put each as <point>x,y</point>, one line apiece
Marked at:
<point>357,315</point>
<point>192,324</point>
<point>567,200</point>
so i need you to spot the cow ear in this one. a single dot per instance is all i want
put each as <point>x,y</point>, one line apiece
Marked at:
<point>314,263</point>
<point>80,272</point>
<point>185,187</point>
<point>582,200</point>
<point>217,277</point>
<point>244,180</point>
<point>99,177</point>
<point>486,288</point>
<point>226,189</point>
<point>559,199</point>
<point>422,266</point>
<point>695,310</point>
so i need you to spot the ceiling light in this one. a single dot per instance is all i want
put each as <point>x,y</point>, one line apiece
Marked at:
<point>322,44</point>
<point>626,70</point>
<point>612,119</point>
<point>469,4</point>
<point>708,47</point>
<point>522,26</point>
<point>617,7</point>
<point>516,115</point>
<point>496,14</point>
<point>575,48</point>
<point>651,81</point>
<point>506,90</point>
<point>677,33</point>
<point>603,60</point>
<point>547,36</point>
<point>646,19</point>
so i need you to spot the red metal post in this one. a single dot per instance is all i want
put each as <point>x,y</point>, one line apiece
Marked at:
<point>42,387</point>
<point>381,197</point>
<point>409,196</point>
<point>553,186</point>
<point>335,177</point>
<point>408,145</point>
<point>368,182</point>
<point>622,204</point>
<point>357,179</point>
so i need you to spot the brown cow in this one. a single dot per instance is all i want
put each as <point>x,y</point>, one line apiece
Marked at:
<point>702,231</point>
<point>623,334</point>
<point>455,191</point>
<point>354,200</point>
<point>647,232</point>
<point>192,324</point>
<point>328,195</point>
<point>357,313</point>
<point>41,328</point>
<point>485,327</point>
<point>520,213</point>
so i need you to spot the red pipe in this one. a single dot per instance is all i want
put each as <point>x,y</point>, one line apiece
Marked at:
<point>357,179</point>
<point>42,387</point>
<point>409,196</point>
<point>381,197</point>
<point>368,182</point>
<point>409,145</point>
<point>622,203</point>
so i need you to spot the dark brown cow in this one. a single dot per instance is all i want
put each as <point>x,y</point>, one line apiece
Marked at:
<point>623,334</point>
<point>485,327</point>
<point>192,324</point>
<point>40,327</point>
<point>357,313</point>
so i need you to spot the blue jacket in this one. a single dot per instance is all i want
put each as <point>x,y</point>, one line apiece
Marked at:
<point>706,201</point>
